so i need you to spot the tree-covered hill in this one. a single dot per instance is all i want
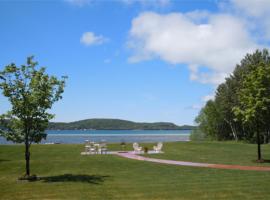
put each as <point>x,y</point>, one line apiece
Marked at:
<point>115,124</point>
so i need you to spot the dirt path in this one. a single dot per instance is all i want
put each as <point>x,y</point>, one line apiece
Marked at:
<point>192,164</point>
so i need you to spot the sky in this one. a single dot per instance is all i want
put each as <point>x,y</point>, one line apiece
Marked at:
<point>139,60</point>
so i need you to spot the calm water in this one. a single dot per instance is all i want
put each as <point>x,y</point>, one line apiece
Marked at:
<point>79,136</point>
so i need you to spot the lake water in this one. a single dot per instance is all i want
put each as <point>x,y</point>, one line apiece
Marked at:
<point>79,136</point>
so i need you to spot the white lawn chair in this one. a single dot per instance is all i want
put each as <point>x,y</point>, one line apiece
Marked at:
<point>92,149</point>
<point>158,148</point>
<point>89,148</point>
<point>86,146</point>
<point>137,148</point>
<point>103,148</point>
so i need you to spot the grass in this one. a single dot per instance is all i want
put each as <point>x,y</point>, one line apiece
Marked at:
<point>215,152</point>
<point>65,174</point>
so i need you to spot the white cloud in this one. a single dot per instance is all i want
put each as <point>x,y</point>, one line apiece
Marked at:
<point>254,8</point>
<point>147,3</point>
<point>208,97</point>
<point>89,38</point>
<point>198,16</point>
<point>144,3</point>
<point>206,77</point>
<point>257,12</point>
<point>217,44</point>
<point>79,2</point>
<point>194,107</point>
<point>204,100</point>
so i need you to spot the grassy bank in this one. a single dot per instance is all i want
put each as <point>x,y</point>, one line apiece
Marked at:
<point>65,174</point>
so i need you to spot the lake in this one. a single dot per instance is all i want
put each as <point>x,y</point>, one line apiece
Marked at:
<point>79,136</point>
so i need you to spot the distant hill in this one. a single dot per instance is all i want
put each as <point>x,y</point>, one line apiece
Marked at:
<point>115,124</point>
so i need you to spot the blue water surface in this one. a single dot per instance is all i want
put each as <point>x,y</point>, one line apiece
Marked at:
<point>79,136</point>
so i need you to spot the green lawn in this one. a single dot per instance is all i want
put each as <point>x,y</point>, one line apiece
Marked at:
<point>65,174</point>
<point>215,152</point>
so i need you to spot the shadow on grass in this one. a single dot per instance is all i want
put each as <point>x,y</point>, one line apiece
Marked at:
<point>83,178</point>
<point>261,161</point>
<point>4,160</point>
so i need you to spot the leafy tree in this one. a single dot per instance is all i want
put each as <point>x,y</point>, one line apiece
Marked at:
<point>246,66</point>
<point>220,123</point>
<point>208,120</point>
<point>31,93</point>
<point>254,101</point>
<point>224,102</point>
<point>197,135</point>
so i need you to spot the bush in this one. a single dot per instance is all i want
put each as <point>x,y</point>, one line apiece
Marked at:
<point>145,149</point>
<point>197,135</point>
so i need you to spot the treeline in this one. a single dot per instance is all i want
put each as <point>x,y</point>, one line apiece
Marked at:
<point>115,124</point>
<point>241,107</point>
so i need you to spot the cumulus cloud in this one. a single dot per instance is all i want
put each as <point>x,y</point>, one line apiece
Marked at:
<point>253,7</point>
<point>89,38</point>
<point>198,16</point>
<point>198,39</point>
<point>257,12</point>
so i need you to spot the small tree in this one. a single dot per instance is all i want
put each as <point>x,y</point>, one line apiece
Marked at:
<point>31,93</point>
<point>254,101</point>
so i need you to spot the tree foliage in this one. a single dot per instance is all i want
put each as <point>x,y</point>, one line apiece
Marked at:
<point>31,93</point>
<point>242,94</point>
<point>254,101</point>
<point>115,124</point>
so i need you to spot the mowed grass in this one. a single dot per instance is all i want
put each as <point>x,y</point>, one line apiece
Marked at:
<point>236,153</point>
<point>65,174</point>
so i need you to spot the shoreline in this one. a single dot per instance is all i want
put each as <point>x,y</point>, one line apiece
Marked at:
<point>119,134</point>
<point>119,129</point>
<point>79,136</point>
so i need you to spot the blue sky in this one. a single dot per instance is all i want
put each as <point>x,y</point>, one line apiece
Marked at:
<point>138,60</point>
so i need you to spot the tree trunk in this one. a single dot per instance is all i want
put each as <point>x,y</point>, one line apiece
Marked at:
<point>267,137</point>
<point>234,132</point>
<point>27,158</point>
<point>232,129</point>
<point>259,145</point>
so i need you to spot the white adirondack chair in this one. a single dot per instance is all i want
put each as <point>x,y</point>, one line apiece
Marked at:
<point>103,147</point>
<point>137,148</point>
<point>89,148</point>
<point>158,148</point>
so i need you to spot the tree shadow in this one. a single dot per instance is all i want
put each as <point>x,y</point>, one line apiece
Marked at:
<point>4,160</point>
<point>83,178</point>
<point>261,161</point>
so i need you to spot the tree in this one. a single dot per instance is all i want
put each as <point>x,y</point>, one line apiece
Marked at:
<point>219,123</point>
<point>224,100</point>
<point>254,101</point>
<point>31,92</point>
<point>209,121</point>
